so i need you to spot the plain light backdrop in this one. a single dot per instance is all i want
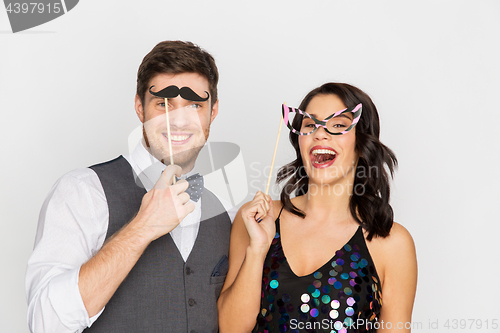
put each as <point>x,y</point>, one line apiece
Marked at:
<point>432,68</point>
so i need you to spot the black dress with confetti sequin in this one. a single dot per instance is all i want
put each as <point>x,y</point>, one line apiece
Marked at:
<point>344,295</point>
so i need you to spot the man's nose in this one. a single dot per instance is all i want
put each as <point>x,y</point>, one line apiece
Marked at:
<point>181,116</point>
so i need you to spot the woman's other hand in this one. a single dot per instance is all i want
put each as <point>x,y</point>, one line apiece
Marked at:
<point>258,217</point>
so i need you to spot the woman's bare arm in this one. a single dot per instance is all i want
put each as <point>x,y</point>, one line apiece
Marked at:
<point>397,259</point>
<point>239,301</point>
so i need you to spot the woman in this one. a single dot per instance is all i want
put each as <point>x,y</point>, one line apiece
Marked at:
<point>334,260</point>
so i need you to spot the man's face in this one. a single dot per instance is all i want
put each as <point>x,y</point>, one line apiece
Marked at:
<point>189,121</point>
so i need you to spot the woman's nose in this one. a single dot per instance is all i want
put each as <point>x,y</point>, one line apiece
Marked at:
<point>320,133</point>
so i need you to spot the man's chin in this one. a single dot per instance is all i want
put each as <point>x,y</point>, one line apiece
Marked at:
<point>184,159</point>
<point>184,156</point>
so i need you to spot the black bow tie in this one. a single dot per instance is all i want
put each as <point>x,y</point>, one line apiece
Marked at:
<point>195,188</point>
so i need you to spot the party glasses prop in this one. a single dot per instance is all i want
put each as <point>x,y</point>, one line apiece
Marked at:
<point>338,123</point>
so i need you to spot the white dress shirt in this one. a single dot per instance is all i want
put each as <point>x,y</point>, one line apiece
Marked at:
<point>72,227</point>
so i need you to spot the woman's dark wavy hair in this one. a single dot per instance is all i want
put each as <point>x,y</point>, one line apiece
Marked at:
<point>369,203</point>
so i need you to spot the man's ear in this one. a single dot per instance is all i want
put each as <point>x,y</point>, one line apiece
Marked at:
<point>139,109</point>
<point>215,111</point>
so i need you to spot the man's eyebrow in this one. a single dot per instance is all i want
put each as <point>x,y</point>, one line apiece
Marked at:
<point>152,97</point>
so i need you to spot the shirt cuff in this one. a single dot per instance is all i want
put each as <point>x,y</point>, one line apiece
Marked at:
<point>64,295</point>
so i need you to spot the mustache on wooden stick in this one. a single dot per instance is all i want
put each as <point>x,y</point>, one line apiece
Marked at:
<point>174,91</point>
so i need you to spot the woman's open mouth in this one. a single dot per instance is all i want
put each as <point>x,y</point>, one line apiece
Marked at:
<point>322,157</point>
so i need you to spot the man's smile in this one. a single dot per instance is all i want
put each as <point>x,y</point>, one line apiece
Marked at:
<point>178,138</point>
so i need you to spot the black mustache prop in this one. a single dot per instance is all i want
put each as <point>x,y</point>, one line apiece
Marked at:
<point>174,91</point>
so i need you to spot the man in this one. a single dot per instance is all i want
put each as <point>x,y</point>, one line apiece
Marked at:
<point>121,246</point>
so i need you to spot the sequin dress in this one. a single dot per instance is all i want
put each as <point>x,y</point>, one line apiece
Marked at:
<point>344,295</point>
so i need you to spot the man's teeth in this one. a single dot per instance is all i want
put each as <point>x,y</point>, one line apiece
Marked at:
<point>179,137</point>
<point>323,151</point>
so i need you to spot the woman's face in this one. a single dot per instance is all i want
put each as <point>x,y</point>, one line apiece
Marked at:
<point>328,159</point>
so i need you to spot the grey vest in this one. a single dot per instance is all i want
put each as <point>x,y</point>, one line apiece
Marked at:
<point>162,293</point>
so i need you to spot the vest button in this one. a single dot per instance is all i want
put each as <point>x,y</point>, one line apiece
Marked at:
<point>189,270</point>
<point>191,302</point>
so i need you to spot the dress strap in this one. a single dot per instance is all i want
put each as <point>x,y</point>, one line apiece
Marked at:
<point>281,211</point>
<point>277,221</point>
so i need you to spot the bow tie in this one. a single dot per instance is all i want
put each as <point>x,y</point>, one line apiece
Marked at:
<point>195,188</point>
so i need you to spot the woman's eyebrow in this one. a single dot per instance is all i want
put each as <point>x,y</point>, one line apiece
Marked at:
<point>345,115</point>
<point>340,115</point>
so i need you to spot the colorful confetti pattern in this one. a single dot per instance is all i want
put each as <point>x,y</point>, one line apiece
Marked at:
<point>344,290</point>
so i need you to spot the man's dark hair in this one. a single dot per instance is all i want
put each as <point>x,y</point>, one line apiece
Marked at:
<point>176,57</point>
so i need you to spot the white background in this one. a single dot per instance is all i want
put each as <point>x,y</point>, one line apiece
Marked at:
<point>432,68</point>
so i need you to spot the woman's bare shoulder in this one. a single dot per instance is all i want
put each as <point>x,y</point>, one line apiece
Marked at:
<point>393,253</point>
<point>399,238</point>
<point>277,206</point>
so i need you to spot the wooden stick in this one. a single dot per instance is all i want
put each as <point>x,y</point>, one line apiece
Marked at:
<point>169,138</point>
<point>274,156</point>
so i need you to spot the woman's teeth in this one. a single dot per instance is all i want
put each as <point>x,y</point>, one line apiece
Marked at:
<point>321,156</point>
<point>323,151</point>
